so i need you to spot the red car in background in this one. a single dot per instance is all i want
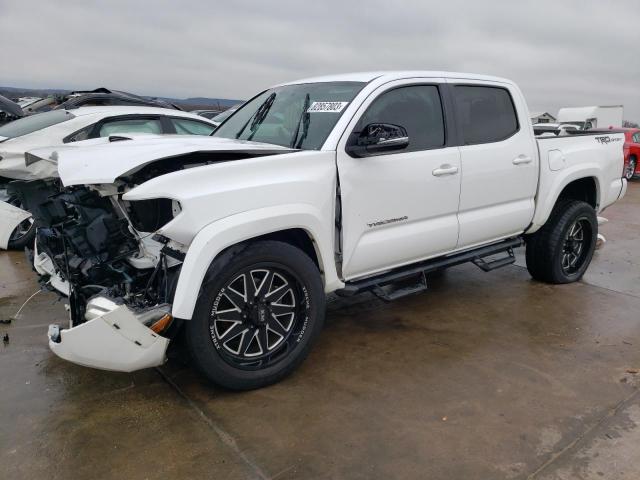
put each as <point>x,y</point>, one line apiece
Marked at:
<point>631,152</point>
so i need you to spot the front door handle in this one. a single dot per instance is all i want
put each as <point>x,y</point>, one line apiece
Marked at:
<point>522,160</point>
<point>445,169</point>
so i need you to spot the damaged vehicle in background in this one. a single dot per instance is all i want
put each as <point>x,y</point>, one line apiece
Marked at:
<point>59,127</point>
<point>26,101</point>
<point>97,97</point>
<point>345,184</point>
<point>9,110</point>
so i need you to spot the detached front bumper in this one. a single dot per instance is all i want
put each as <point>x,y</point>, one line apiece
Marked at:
<point>113,338</point>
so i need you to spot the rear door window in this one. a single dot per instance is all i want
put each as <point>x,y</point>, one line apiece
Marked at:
<point>485,114</point>
<point>33,123</point>
<point>185,126</point>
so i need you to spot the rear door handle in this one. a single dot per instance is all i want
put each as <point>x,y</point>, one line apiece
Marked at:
<point>522,160</point>
<point>445,169</point>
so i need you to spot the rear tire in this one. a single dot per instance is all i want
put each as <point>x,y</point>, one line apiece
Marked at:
<point>561,251</point>
<point>245,333</point>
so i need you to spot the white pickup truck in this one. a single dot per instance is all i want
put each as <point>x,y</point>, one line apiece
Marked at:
<point>348,183</point>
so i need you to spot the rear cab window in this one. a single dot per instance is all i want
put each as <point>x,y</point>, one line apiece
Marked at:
<point>33,123</point>
<point>485,114</point>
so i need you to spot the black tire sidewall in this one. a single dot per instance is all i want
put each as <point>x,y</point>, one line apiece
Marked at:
<point>26,240</point>
<point>205,355</point>
<point>577,211</point>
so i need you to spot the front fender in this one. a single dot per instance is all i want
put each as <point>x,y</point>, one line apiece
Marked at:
<point>231,230</point>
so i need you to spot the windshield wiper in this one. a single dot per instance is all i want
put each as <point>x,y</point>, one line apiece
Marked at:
<point>304,118</point>
<point>257,118</point>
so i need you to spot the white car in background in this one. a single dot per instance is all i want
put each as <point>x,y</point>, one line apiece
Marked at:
<point>24,102</point>
<point>59,127</point>
<point>221,117</point>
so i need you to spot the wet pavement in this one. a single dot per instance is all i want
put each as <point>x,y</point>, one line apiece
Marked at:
<point>486,376</point>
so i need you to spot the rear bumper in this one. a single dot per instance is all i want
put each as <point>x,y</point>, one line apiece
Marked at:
<point>623,190</point>
<point>112,339</point>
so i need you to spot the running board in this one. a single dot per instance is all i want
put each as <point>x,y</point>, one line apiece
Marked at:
<point>377,282</point>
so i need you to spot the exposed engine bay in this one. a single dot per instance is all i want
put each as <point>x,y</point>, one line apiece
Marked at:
<point>101,245</point>
<point>113,234</point>
<point>95,244</point>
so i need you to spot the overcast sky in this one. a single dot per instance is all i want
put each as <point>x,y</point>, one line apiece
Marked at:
<point>562,53</point>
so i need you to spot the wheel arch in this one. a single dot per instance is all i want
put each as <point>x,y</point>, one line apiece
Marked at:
<point>296,237</point>
<point>586,188</point>
<point>297,225</point>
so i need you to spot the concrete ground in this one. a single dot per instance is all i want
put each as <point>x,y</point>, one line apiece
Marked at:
<point>487,376</point>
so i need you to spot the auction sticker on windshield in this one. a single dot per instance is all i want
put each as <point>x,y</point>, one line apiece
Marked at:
<point>327,107</point>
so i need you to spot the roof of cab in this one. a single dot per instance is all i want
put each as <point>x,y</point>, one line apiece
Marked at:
<point>395,75</point>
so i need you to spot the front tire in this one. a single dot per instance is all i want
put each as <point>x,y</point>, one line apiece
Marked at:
<point>561,251</point>
<point>260,309</point>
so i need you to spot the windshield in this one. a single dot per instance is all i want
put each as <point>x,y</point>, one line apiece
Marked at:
<point>295,116</point>
<point>33,123</point>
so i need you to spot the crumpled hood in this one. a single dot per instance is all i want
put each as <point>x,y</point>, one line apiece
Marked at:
<point>103,160</point>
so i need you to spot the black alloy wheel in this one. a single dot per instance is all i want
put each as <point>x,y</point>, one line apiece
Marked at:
<point>576,246</point>
<point>260,309</point>
<point>256,316</point>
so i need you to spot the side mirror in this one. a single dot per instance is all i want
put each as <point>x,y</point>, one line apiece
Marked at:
<point>377,138</point>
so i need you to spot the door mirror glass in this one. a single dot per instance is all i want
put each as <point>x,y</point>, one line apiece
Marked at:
<point>378,138</point>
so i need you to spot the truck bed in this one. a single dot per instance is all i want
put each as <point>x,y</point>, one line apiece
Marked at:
<point>597,154</point>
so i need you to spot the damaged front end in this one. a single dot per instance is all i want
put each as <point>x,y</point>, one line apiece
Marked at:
<point>119,278</point>
<point>114,336</point>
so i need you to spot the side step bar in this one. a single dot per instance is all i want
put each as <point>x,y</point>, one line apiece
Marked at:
<point>477,256</point>
<point>394,291</point>
<point>482,264</point>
